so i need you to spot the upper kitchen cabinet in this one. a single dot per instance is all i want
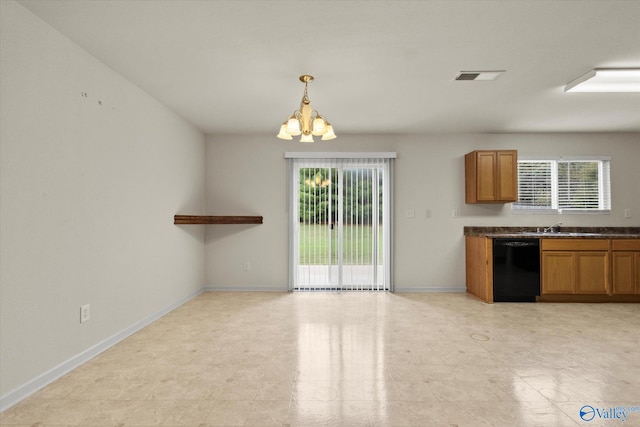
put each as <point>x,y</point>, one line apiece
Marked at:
<point>491,176</point>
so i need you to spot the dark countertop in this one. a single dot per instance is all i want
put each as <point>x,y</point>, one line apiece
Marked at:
<point>563,233</point>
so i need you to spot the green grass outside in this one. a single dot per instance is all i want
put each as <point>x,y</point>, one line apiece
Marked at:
<point>314,244</point>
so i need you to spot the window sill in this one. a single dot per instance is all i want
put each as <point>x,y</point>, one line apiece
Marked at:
<point>517,211</point>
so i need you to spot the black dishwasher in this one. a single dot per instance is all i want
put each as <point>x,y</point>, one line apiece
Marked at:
<point>516,270</point>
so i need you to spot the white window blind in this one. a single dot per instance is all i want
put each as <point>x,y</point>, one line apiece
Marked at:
<point>581,185</point>
<point>574,185</point>
<point>535,185</point>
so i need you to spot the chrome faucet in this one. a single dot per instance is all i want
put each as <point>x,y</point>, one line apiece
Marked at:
<point>553,228</point>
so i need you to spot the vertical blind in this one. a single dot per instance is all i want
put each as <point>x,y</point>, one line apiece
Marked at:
<point>340,222</point>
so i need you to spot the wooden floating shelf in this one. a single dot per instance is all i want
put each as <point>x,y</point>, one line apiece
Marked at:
<point>209,219</point>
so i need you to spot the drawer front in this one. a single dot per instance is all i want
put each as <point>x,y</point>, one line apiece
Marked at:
<point>574,244</point>
<point>625,244</point>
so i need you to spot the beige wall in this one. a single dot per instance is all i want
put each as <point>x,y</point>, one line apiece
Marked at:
<point>247,175</point>
<point>88,192</point>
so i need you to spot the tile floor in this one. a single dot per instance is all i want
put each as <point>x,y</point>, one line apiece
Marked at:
<point>355,359</point>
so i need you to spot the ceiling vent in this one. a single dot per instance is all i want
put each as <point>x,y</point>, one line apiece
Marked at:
<point>479,75</point>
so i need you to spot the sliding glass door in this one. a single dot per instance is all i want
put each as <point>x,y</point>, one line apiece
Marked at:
<point>340,224</point>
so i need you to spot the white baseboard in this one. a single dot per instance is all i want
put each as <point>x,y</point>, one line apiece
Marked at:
<point>26,390</point>
<point>245,289</point>
<point>420,290</point>
<point>285,289</point>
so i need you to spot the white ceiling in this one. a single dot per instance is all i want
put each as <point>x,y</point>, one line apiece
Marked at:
<point>232,66</point>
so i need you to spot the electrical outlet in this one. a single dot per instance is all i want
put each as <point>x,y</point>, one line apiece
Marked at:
<point>411,213</point>
<point>627,213</point>
<point>246,266</point>
<point>85,313</point>
<point>427,213</point>
<point>454,213</point>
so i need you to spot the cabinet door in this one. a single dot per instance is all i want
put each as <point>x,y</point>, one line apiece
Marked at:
<point>486,176</point>
<point>637,271</point>
<point>637,268</point>
<point>507,176</point>
<point>625,273</point>
<point>558,272</point>
<point>479,268</point>
<point>592,272</point>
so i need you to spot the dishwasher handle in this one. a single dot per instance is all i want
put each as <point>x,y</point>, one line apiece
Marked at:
<point>520,243</point>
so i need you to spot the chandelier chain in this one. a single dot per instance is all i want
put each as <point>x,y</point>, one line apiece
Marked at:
<point>305,97</point>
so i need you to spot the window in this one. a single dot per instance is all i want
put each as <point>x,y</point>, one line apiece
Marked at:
<point>560,185</point>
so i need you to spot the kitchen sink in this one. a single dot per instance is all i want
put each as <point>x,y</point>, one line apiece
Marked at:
<point>560,234</point>
<point>581,234</point>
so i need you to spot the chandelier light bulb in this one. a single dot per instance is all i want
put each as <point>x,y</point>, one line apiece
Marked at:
<point>319,126</point>
<point>329,133</point>
<point>306,137</point>
<point>283,132</point>
<point>293,127</point>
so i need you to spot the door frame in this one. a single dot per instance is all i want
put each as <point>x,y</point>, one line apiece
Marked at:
<point>322,158</point>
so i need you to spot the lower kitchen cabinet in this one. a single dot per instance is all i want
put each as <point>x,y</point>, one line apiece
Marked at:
<point>592,273</point>
<point>626,267</point>
<point>479,267</point>
<point>558,272</point>
<point>575,266</point>
<point>571,269</point>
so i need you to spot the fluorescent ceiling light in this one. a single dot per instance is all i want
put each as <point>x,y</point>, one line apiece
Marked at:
<point>607,80</point>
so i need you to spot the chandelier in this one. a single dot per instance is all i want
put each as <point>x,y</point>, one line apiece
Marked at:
<point>306,121</point>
